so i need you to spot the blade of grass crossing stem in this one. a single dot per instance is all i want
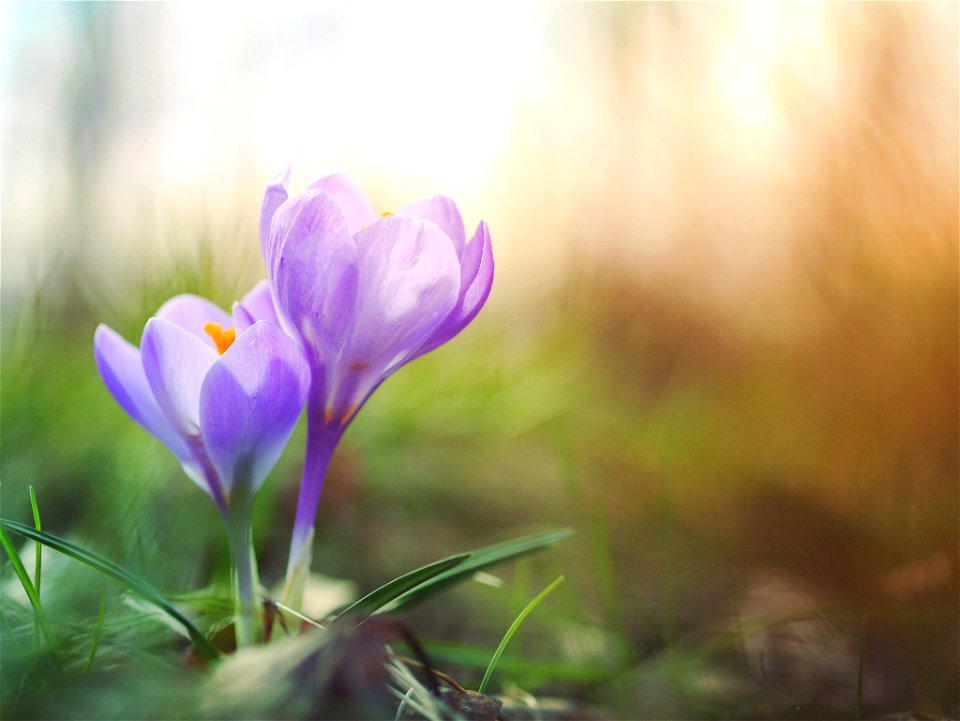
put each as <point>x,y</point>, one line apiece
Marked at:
<point>297,615</point>
<point>39,615</point>
<point>378,599</point>
<point>513,629</point>
<point>36,523</point>
<point>117,573</point>
<point>480,560</point>
<point>96,632</point>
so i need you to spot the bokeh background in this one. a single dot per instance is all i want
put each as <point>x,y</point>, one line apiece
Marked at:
<point>722,342</point>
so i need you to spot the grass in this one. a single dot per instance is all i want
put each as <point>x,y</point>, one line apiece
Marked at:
<point>511,632</point>
<point>40,615</point>
<point>97,630</point>
<point>109,569</point>
<point>38,567</point>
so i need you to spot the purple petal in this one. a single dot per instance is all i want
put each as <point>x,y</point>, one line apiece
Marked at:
<point>250,402</point>
<point>476,279</point>
<point>192,313</point>
<point>119,364</point>
<point>121,368</point>
<point>440,210</point>
<point>242,318</point>
<point>275,195</point>
<point>175,363</point>
<point>256,305</point>
<point>409,283</point>
<point>351,199</point>
<point>313,272</point>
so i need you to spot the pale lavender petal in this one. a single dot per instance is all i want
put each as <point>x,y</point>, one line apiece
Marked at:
<point>119,364</point>
<point>409,283</point>
<point>350,197</point>
<point>440,210</point>
<point>274,196</point>
<point>192,313</point>
<point>476,279</point>
<point>175,363</point>
<point>313,273</point>
<point>256,305</point>
<point>250,402</point>
<point>242,318</point>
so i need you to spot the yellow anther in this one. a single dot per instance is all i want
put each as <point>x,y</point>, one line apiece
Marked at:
<point>385,215</point>
<point>223,339</point>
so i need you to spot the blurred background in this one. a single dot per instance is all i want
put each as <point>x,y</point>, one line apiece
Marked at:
<point>722,343</point>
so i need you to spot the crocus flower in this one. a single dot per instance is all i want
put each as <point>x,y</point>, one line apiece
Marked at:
<point>365,294</point>
<point>223,394</point>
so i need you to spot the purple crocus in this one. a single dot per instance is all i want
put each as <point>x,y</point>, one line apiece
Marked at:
<point>365,294</point>
<point>223,393</point>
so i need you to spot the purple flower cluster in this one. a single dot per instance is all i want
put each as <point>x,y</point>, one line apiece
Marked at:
<point>350,297</point>
<point>365,294</point>
<point>225,402</point>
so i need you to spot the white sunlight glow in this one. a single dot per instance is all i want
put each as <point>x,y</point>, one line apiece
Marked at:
<point>421,98</point>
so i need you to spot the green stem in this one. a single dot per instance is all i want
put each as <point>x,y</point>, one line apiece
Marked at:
<point>249,624</point>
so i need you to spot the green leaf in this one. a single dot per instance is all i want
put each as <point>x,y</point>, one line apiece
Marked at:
<point>117,573</point>
<point>480,560</point>
<point>36,523</point>
<point>28,586</point>
<point>377,600</point>
<point>513,629</point>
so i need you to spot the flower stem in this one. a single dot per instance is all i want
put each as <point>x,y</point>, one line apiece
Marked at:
<point>321,441</point>
<point>249,624</point>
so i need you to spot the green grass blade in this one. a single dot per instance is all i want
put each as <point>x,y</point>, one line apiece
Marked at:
<point>119,574</point>
<point>296,614</point>
<point>480,560</point>
<point>28,586</point>
<point>527,670</point>
<point>513,629</point>
<point>36,522</point>
<point>96,632</point>
<point>377,600</point>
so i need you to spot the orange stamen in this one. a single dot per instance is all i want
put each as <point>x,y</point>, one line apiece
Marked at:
<point>347,415</point>
<point>223,339</point>
<point>357,366</point>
